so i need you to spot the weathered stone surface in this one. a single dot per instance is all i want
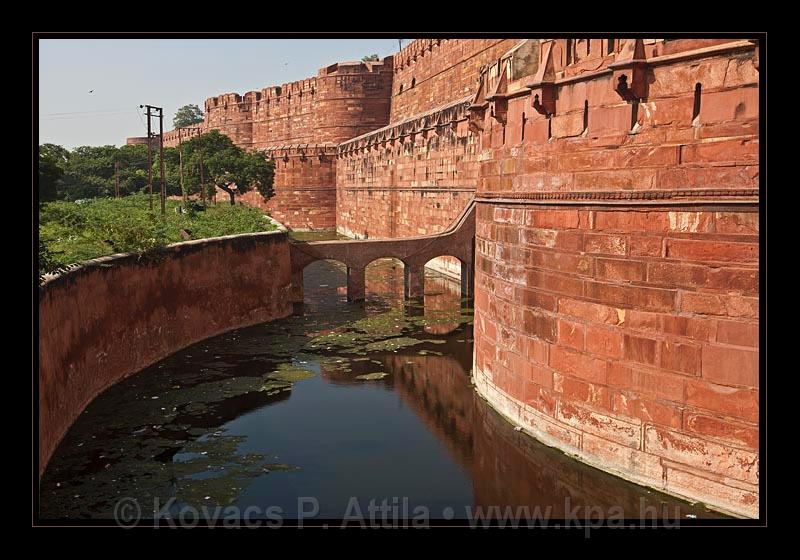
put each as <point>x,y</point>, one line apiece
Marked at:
<point>655,354</point>
<point>116,315</point>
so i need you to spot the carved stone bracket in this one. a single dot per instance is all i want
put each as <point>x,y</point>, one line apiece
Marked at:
<point>498,100</point>
<point>630,71</point>
<point>477,109</point>
<point>543,88</point>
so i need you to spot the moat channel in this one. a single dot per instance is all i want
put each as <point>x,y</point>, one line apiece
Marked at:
<point>319,414</point>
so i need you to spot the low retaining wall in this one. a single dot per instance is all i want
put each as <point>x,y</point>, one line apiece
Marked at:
<point>116,315</point>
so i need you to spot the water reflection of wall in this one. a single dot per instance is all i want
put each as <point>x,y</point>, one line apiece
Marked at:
<point>442,300</point>
<point>384,279</point>
<point>438,391</point>
<point>508,468</point>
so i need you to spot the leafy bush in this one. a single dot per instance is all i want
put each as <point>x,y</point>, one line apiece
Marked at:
<point>70,232</point>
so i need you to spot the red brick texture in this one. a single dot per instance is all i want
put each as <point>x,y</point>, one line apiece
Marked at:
<point>114,316</point>
<point>299,125</point>
<point>435,71</point>
<point>418,173</point>
<point>616,274</point>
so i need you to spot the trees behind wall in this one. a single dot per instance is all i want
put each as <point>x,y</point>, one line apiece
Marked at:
<point>89,171</point>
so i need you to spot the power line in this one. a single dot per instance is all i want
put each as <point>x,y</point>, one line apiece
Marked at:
<point>85,112</point>
<point>77,116</point>
<point>141,118</point>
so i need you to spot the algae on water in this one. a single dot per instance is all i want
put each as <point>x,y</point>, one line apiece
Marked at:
<point>372,376</point>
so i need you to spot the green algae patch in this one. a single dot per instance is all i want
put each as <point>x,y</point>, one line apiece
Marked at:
<point>290,374</point>
<point>372,376</point>
<point>388,323</point>
<point>392,344</point>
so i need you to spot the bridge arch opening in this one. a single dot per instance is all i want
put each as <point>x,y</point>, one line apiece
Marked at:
<point>384,280</point>
<point>447,265</point>
<point>442,294</point>
<point>324,280</point>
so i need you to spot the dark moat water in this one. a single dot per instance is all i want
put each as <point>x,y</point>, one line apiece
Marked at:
<point>321,413</point>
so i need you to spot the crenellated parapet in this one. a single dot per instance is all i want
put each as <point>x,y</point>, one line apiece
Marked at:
<point>434,123</point>
<point>430,72</point>
<point>174,137</point>
<point>299,124</point>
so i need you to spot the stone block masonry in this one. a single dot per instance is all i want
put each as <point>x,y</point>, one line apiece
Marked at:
<point>116,315</point>
<point>616,280</point>
<point>299,125</point>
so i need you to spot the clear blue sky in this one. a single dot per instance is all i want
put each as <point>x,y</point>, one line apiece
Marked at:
<point>170,73</point>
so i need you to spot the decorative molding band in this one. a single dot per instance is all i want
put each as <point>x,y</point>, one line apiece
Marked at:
<point>284,190</point>
<point>663,197</point>
<point>410,189</point>
<point>300,149</point>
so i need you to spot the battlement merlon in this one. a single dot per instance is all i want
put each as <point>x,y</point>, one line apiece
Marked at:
<point>299,87</point>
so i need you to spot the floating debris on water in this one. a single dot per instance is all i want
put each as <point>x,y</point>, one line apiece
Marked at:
<point>372,376</point>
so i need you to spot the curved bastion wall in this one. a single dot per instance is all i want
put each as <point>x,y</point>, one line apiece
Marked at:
<point>114,316</point>
<point>617,260</point>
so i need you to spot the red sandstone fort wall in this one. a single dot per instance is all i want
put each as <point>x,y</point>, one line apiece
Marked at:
<point>299,125</point>
<point>617,258</point>
<point>434,72</point>
<point>417,173</point>
<point>114,316</point>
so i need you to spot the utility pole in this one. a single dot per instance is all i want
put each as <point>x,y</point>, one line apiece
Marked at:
<point>180,160</point>
<point>160,110</point>
<point>116,178</point>
<point>161,155</point>
<point>149,157</point>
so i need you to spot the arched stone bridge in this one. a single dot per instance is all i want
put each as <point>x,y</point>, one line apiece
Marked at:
<point>458,241</point>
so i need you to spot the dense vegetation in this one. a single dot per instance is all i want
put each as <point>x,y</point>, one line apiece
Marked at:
<point>79,219</point>
<point>74,231</point>
<point>89,171</point>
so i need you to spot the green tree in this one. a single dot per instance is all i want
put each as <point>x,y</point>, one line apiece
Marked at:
<point>187,116</point>
<point>370,58</point>
<point>89,172</point>
<point>133,170</point>
<point>51,171</point>
<point>58,153</point>
<point>226,166</point>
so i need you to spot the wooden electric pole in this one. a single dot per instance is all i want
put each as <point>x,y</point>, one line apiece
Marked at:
<point>149,157</point>
<point>161,155</point>
<point>160,110</point>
